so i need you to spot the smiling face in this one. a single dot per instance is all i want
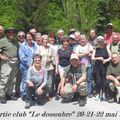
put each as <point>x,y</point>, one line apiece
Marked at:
<point>11,34</point>
<point>65,43</point>
<point>29,39</point>
<point>38,39</point>
<point>21,37</point>
<point>92,34</point>
<point>83,40</point>
<point>45,40</point>
<point>115,58</point>
<point>51,40</point>
<point>37,61</point>
<point>115,38</point>
<point>74,62</point>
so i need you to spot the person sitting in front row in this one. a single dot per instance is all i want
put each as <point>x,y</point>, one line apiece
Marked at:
<point>113,77</point>
<point>36,82</point>
<point>73,83</point>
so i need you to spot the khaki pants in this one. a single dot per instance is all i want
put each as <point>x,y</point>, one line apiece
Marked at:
<point>82,89</point>
<point>7,77</point>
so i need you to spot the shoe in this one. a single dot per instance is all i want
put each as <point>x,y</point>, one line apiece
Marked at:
<point>17,95</point>
<point>33,98</point>
<point>14,98</point>
<point>111,100</point>
<point>102,98</point>
<point>66,100</point>
<point>90,96</point>
<point>3,100</point>
<point>23,98</point>
<point>112,87</point>
<point>57,97</point>
<point>28,105</point>
<point>48,98</point>
<point>8,97</point>
<point>82,102</point>
<point>97,97</point>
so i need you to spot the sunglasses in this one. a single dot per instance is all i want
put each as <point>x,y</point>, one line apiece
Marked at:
<point>21,36</point>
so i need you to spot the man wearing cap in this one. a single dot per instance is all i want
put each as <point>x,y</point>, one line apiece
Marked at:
<point>109,32</point>
<point>9,62</point>
<point>73,84</point>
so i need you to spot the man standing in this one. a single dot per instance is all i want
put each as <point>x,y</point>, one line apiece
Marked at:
<point>113,76</point>
<point>74,81</point>
<point>9,62</point>
<point>109,32</point>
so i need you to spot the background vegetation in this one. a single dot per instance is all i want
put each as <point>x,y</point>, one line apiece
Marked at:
<point>51,15</point>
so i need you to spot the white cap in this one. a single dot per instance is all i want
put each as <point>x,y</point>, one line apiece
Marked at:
<point>74,56</point>
<point>100,38</point>
<point>72,36</point>
<point>109,24</point>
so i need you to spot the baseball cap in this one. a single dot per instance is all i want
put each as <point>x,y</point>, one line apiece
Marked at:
<point>109,24</point>
<point>100,38</point>
<point>9,29</point>
<point>74,56</point>
<point>72,36</point>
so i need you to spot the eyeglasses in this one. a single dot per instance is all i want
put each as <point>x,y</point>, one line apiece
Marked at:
<point>21,36</point>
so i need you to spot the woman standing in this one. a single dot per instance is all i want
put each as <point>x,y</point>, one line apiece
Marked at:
<point>26,55</point>
<point>102,56</point>
<point>63,59</point>
<point>84,51</point>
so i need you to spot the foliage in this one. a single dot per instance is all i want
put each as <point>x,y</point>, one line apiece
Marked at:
<point>51,15</point>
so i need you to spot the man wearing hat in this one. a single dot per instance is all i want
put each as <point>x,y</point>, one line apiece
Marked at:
<point>9,62</point>
<point>109,32</point>
<point>73,84</point>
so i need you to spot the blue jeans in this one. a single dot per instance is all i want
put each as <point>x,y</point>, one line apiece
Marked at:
<point>24,78</point>
<point>89,79</point>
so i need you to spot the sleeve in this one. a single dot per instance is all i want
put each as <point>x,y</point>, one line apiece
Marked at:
<point>25,56</point>
<point>1,45</point>
<point>45,78</point>
<point>38,50</point>
<point>84,69</point>
<point>21,54</point>
<point>29,74</point>
<point>108,70</point>
<point>90,47</point>
<point>76,49</point>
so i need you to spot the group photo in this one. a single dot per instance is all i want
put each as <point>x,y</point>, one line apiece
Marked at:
<point>58,66</point>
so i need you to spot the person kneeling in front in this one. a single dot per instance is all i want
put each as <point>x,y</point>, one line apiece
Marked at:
<point>74,81</point>
<point>36,82</point>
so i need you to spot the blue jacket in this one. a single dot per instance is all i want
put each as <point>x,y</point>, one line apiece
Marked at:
<point>26,55</point>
